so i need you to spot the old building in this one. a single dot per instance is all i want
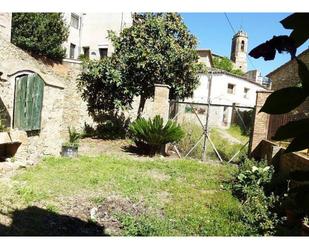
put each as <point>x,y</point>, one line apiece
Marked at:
<point>227,88</point>
<point>5,25</point>
<point>38,100</point>
<point>88,33</point>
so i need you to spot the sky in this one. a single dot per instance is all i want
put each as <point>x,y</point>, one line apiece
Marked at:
<point>214,32</point>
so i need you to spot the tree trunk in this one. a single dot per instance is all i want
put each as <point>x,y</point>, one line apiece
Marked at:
<point>141,106</point>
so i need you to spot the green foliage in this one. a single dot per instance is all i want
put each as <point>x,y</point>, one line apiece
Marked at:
<point>157,48</point>
<point>2,120</point>
<point>74,137</point>
<point>249,186</point>
<point>2,126</point>
<point>152,133</point>
<point>40,33</point>
<point>227,65</point>
<point>109,126</point>
<point>287,99</point>
<point>101,84</point>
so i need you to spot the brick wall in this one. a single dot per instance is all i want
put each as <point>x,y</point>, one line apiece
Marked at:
<point>261,120</point>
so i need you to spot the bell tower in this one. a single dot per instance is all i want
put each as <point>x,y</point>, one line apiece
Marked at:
<point>239,50</point>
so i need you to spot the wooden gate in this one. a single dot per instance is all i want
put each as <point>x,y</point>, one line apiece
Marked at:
<point>28,102</point>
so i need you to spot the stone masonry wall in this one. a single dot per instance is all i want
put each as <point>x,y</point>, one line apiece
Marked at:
<point>14,62</point>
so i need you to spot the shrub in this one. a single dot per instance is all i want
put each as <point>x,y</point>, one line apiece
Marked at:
<point>150,135</point>
<point>251,182</point>
<point>40,33</point>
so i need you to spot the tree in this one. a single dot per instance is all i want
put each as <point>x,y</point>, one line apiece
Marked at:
<point>225,64</point>
<point>156,49</point>
<point>40,33</point>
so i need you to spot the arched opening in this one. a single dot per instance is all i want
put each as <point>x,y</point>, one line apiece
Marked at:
<point>242,46</point>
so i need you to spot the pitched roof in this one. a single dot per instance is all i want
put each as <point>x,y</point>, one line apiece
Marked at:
<point>221,71</point>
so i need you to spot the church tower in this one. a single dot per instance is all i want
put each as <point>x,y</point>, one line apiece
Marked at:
<point>239,50</point>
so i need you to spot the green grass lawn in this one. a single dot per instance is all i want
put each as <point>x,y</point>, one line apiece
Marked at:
<point>132,197</point>
<point>236,132</point>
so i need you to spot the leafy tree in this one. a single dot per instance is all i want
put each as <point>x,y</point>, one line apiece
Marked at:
<point>156,49</point>
<point>40,33</point>
<point>227,65</point>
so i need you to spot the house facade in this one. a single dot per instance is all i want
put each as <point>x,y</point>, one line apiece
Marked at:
<point>226,88</point>
<point>88,33</point>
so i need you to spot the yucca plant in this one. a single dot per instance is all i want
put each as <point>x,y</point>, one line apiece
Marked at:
<point>150,135</point>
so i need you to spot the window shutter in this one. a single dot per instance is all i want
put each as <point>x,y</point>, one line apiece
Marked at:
<point>38,86</point>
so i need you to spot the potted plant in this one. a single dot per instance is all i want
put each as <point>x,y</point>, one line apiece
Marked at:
<point>70,148</point>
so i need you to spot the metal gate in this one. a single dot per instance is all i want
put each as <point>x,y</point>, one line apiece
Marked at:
<point>207,130</point>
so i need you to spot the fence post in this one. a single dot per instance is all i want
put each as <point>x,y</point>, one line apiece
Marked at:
<point>161,101</point>
<point>261,121</point>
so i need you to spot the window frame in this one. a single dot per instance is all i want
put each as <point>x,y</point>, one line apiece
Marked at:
<point>246,92</point>
<point>233,89</point>
<point>101,54</point>
<point>75,21</point>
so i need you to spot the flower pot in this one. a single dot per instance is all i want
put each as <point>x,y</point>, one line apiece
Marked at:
<point>69,151</point>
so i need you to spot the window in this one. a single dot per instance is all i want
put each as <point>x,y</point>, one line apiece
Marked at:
<point>103,52</point>
<point>231,88</point>
<point>72,50</point>
<point>86,52</point>
<point>242,46</point>
<point>246,93</point>
<point>74,21</point>
<point>28,102</point>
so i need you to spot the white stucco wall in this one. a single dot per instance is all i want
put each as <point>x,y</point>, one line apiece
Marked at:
<point>220,95</point>
<point>5,25</point>
<point>92,31</point>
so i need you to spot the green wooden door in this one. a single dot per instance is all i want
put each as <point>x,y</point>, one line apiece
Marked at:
<point>28,102</point>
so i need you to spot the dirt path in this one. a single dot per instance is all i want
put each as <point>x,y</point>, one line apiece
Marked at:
<point>229,137</point>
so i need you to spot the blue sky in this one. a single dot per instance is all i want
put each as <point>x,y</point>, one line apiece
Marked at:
<point>214,32</point>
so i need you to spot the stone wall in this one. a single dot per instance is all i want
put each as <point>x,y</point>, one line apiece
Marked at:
<point>15,62</point>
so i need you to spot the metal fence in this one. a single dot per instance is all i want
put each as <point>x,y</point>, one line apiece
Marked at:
<point>212,131</point>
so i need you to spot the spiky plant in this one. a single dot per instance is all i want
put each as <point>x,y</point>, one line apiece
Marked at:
<point>152,134</point>
<point>74,137</point>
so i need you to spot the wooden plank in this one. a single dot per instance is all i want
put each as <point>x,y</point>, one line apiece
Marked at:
<point>17,104</point>
<point>37,102</point>
<point>29,102</point>
<point>20,103</point>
